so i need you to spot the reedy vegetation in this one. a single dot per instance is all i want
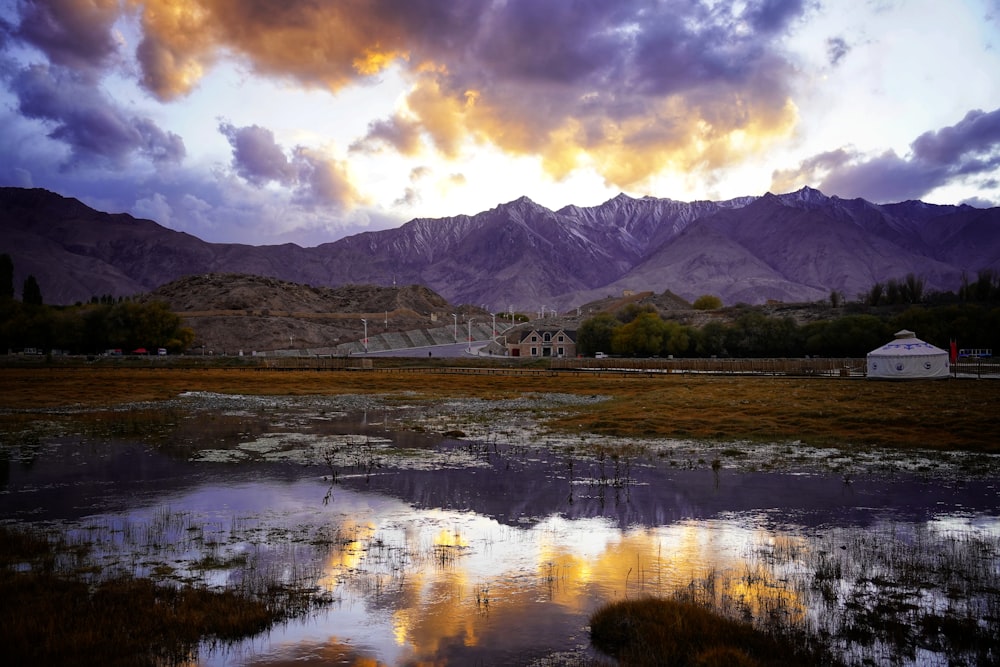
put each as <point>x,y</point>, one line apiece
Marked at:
<point>932,592</point>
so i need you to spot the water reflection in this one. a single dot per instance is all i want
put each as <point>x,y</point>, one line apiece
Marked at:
<point>451,553</point>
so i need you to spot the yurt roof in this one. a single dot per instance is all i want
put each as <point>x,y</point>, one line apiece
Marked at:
<point>906,343</point>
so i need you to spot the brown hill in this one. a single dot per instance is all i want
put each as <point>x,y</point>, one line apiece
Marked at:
<point>230,313</point>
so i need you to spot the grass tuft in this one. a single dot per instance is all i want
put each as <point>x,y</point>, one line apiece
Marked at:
<point>665,631</point>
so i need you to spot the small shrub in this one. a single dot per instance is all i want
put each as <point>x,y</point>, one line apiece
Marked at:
<point>707,302</point>
<point>663,631</point>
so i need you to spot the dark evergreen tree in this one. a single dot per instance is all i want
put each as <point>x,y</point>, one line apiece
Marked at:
<point>31,293</point>
<point>6,277</point>
<point>848,336</point>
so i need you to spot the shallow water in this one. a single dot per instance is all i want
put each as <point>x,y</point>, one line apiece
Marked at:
<point>457,551</point>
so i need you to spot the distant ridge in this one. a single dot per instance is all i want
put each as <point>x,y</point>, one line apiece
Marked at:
<point>792,247</point>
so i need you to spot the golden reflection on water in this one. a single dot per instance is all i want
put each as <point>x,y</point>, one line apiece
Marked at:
<point>348,553</point>
<point>475,582</point>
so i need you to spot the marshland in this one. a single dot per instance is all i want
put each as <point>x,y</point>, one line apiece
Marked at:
<point>233,517</point>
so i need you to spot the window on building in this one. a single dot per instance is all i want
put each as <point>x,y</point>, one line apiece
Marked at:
<point>548,337</point>
<point>534,351</point>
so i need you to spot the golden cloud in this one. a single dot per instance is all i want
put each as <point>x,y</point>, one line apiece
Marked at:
<point>628,130</point>
<point>327,181</point>
<point>442,116</point>
<point>374,61</point>
<point>327,44</point>
<point>176,48</point>
<point>672,133</point>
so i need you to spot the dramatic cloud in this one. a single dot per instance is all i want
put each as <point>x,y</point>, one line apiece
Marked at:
<point>398,133</point>
<point>318,179</point>
<point>328,44</point>
<point>975,137</point>
<point>80,116</point>
<point>72,33</point>
<point>970,148</point>
<point>324,181</point>
<point>330,106</point>
<point>774,15</point>
<point>580,83</point>
<point>256,155</point>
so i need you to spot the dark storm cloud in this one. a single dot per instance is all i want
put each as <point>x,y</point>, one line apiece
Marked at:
<point>552,40</point>
<point>256,155</point>
<point>968,149</point>
<point>6,28</point>
<point>80,116</point>
<point>702,47</point>
<point>71,33</point>
<point>773,15</point>
<point>884,178</point>
<point>157,144</point>
<point>976,134</point>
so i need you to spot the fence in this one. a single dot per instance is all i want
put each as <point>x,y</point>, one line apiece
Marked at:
<point>819,367</point>
<point>973,367</point>
<point>826,367</point>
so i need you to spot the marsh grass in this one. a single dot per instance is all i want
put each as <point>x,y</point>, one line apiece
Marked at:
<point>890,594</point>
<point>944,415</point>
<point>901,590</point>
<point>148,424</point>
<point>870,595</point>
<point>54,616</point>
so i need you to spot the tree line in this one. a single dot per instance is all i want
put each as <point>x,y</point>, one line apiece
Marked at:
<point>972,318</point>
<point>102,324</point>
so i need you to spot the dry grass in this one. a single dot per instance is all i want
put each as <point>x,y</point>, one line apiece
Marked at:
<point>663,631</point>
<point>949,414</point>
<point>49,617</point>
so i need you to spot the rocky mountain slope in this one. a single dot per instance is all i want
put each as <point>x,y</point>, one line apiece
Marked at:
<point>794,247</point>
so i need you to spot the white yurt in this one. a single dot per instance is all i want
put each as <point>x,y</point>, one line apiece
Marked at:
<point>908,358</point>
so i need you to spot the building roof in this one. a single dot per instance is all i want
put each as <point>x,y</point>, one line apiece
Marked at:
<point>541,331</point>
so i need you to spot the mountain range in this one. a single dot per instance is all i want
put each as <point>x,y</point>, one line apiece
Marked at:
<point>794,247</point>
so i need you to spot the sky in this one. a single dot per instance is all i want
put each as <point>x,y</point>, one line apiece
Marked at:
<point>304,121</point>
